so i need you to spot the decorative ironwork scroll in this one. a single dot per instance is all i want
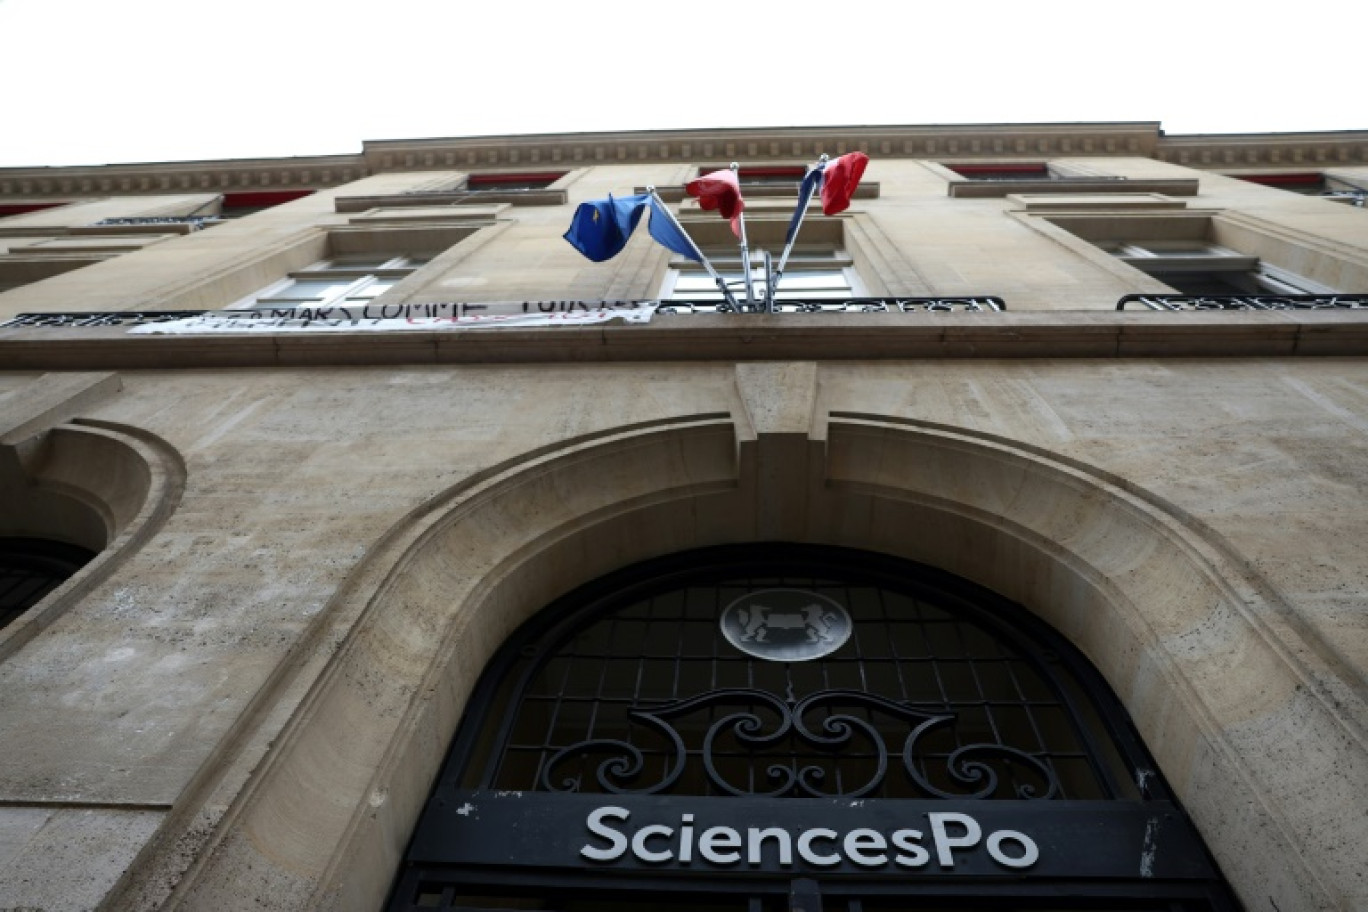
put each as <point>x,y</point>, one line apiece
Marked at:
<point>968,303</point>
<point>759,724</point>
<point>979,304</point>
<point>195,222</point>
<point>70,319</point>
<point>1246,302</point>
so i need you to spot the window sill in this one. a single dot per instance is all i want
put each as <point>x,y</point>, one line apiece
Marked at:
<point>451,198</point>
<point>983,189</point>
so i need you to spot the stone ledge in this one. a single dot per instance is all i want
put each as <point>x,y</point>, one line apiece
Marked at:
<point>749,337</point>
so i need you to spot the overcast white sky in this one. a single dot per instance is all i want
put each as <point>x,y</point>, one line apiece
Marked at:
<point>104,81</point>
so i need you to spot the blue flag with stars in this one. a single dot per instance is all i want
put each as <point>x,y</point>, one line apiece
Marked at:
<point>601,228</point>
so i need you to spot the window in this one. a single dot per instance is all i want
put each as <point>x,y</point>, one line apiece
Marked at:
<point>1313,183</point>
<point>1310,183</point>
<point>771,175</point>
<point>25,260</point>
<point>120,243</point>
<point>538,180</point>
<point>1198,253</point>
<point>811,273</point>
<point>237,205</point>
<point>524,188</point>
<point>996,179</point>
<point>30,568</point>
<point>347,279</point>
<point>1013,172</point>
<point>1201,267</point>
<point>25,208</point>
<point>786,176</point>
<point>777,693</point>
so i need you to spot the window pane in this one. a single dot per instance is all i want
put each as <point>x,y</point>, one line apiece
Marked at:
<point>374,289</point>
<point>813,280</point>
<point>361,261</point>
<point>309,290</point>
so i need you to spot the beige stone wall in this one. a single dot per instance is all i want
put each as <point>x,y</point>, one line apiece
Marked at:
<point>241,702</point>
<point>228,714</point>
<point>913,239</point>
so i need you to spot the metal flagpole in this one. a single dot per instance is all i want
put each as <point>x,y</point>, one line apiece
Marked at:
<point>745,249</point>
<point>802,212</point>
<point>702,257</point>
<point>768,303</point>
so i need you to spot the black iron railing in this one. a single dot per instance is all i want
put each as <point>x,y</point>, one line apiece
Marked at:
<point>975,303</point>
<point>115,318</point>
<point>1181,302</point>
<point>196,222</point>
<point>691,307</point>
<point>1357,198</point>
<point>971,303</point>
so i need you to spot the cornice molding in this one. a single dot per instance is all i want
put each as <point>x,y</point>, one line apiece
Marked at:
<point>986,142</point>
<point>236,175</point>
<point>765,144</point>
<point>1266,150</point>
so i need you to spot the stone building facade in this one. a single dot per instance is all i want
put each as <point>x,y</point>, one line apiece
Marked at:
<point>303,544</point>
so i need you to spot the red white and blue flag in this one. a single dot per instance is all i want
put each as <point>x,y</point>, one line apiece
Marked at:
<point>839,180</point>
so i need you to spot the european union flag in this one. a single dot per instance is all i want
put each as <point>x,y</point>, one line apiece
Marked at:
<point>601,228</point>
<point>668,234</point>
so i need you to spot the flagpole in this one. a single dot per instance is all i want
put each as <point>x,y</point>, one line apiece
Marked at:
<point>768,303</point>
<point>745,248</point>
<point>802,212</point>
<point>702,257</point>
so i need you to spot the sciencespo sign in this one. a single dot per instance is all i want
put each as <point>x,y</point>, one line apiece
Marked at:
<point>819,846</point>
<point>754,837</point>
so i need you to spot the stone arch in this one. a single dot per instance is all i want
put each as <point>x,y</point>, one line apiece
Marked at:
<point>104,487</point>
<point>1223,686</point>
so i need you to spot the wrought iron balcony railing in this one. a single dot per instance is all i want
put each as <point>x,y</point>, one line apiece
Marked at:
<point>1357,198</point>
<point>688,307</point>
<point>1179,302</point>
<point>196,222</point>
<point>974,303</point>
<point>109,318</point>
<point>981,303</point>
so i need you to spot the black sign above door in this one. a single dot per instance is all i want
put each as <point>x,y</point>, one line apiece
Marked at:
<point>747,838</point>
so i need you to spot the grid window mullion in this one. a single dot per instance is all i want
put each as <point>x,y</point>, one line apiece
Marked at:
<point>666,648</point>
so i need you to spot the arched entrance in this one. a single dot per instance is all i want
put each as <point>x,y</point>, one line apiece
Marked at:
<point>789,727</point>
<point>1189,637</point>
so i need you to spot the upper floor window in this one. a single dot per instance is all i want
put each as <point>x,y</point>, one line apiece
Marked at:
<point>532,180</point>
<point>999,179</point>
<point>811,273</point>
<point>1313,183</point>
<point>28,259</point>
<point>237,205</point>
<point>763,175</point>
<point>7,209</point>
<point>1310,183</point>
<point>1202,267</point>
<point>1004,171</point>
<point>347,279</point>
